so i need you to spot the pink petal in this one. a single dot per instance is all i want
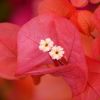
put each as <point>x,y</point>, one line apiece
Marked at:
<point>95,1</point>
<point>85,22</point>
<point>79,3</point>
<point>8,50</point>
<point>87,42</point>
<point>33,61</point>
<point>75,58</point>
<point>92,91</point>
<point>59,7</point>
<point>96,18</point>
<point>30,35</point>
<point>93,65</point>
<point>96,48</point>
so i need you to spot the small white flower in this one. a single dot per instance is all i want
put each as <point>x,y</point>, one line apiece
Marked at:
<point>46,45</point>
<point>56,52</point>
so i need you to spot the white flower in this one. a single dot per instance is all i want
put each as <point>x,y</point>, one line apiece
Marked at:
<point>56,52</point>
<point>46,45</point>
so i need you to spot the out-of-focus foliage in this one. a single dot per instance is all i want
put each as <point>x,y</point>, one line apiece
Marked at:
<point>5,89</point>
<point>4,11</point>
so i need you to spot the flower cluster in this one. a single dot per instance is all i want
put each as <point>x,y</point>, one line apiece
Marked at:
<point>47,45</point>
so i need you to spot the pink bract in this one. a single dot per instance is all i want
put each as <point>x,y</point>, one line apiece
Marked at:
<point>8,50</point>
<point>59,7</point>
<point>96,48</point>
<point>92,90</point>
<point>79,3</point>
<point>83,21</point>
<point>96,18</point>
<point>34,62</point>
<point>95,1</point>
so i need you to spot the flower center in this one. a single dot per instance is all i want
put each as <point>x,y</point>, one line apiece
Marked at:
<point>46,45</point>
<point>56,52</point>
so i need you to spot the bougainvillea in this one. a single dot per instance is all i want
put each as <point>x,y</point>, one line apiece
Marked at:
<point>55,55</point>
<point>63,33</point>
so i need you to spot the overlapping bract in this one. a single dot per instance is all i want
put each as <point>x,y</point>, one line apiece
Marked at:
<point>8,50</point>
